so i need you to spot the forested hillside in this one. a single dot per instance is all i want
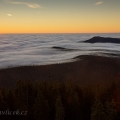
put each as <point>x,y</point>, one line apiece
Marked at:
<point>53,100</point>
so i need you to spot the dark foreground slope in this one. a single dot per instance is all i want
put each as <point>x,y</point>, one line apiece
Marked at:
<point>98,39</point>
<point>95,98</point>
<point>88,69</point>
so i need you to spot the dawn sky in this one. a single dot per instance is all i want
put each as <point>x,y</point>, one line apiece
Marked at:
<point>59,16</point>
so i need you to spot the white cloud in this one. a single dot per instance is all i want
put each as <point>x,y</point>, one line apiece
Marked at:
<point>28,4</point>
<point>9,15</point>
<point>99,3</point>
<point>33,5</point>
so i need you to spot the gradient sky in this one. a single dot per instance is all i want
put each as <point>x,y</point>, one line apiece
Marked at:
<point>59,16</point>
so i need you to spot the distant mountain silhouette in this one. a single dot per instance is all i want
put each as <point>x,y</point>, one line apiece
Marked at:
<point>98,39</point>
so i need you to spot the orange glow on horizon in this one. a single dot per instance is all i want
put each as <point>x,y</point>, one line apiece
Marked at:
<point>58,29</point>
<point>71,26</point>
<point>25,31</point>
<point>60,16</point>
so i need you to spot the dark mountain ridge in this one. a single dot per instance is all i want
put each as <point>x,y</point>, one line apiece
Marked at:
<point>98,39</point>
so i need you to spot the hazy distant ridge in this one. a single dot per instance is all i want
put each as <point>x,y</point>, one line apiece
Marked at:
<point>98,39</point>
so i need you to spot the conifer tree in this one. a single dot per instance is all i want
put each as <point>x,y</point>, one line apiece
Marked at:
<point>41,108</point>
<point>98,111</point>
<point>11,100</point>
<point>20,95</point>
<point>111,111</point>
<point>2,103</point>
<point>3,93</point>
<point>76,107</point>
<point>59,109</point>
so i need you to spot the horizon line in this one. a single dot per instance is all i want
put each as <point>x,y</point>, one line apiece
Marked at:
<point>69,33</point>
